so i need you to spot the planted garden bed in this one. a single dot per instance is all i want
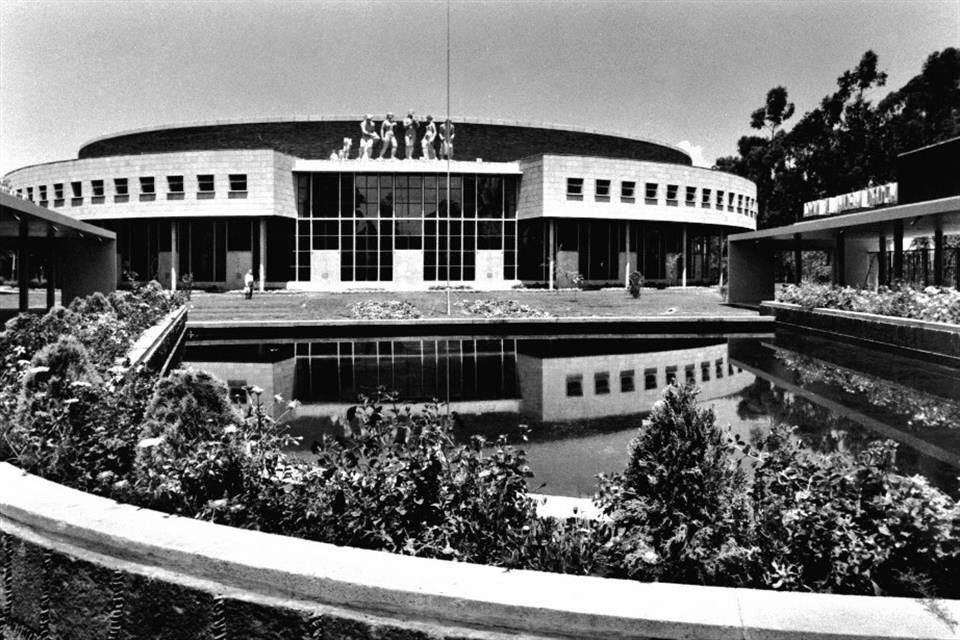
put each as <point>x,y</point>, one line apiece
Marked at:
<point>685,509</point>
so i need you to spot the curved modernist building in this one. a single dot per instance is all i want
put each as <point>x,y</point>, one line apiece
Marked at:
<point>534,204</point>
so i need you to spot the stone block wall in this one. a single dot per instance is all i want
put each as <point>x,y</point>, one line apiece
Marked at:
<point>269,185</point>
<point>51,594</point>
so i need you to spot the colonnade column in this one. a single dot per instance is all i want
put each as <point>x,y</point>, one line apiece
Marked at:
<point>938,254</point>
<point>797,259</point>
<point>173,255</point>
<point>626,268</point>
<point>262,268</point>
<point>23,268</point>
<point>840,259</point>
<point>898,250</point>
<point>551,254</point>
<point>683,271</point>
<point>882,260</point>
<point>51,267</point>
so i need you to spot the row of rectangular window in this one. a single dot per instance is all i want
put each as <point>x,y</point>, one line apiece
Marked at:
<point>601,379</point>
<point>603,193</point>
<point>206,189</point>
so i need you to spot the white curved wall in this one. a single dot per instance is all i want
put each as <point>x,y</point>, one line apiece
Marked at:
<point>269,174</point>
<point>543,192</point>
<point>411,597</point>
<point>269,185</point>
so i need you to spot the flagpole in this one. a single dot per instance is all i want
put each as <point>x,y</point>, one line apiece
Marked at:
<point>449,207</point>
<point>447,142</point>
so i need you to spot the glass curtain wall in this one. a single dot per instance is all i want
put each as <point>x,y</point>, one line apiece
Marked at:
<point>139,244</point>
<point>366,217</point>
<point>418,369</point>
<point>598,244</point>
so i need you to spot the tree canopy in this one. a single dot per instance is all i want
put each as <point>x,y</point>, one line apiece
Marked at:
<point>847,142</point>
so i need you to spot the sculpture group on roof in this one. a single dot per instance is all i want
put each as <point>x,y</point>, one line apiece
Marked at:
<point>388,139</point>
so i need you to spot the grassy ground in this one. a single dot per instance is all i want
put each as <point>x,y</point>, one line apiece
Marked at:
<point>284,305</point>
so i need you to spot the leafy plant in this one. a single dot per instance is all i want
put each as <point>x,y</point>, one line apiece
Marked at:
<point>850,524</point>
<point>934,304</point>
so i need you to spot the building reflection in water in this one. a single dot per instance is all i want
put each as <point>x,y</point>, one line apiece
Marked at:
<point>491,383</point>
<point>583,397</point>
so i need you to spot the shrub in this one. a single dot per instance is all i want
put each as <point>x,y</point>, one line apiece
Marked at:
<point>190,449</point>
<point>71,424</point>
<point>396,480</point>
<point>65,413</point>
<point>686,509</point>
<point>492,308</point>
<point>385,310</point>
<point>679,509</point>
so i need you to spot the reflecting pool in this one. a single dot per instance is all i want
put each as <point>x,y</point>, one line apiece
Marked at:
<point>582,398</point>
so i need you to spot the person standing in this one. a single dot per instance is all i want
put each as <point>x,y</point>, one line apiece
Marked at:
<point>248,284</point>
<point>446,139</point>
<point>429,134</point>
<point>409,134</point>
<point>388,138</point>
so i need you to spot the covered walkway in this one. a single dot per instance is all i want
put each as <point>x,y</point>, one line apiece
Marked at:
<point>75,257</point>
<point>867,247</point>
<point>859,243</point>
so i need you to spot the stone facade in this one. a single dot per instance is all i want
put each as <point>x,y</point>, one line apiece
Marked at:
<point>543,192</point>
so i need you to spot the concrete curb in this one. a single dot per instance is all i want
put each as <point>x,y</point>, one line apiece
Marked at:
<point>448,599</point>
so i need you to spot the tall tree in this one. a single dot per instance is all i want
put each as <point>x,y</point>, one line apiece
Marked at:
<point>763,159</point>
<point>774,112</point>
<point>926,109</point>
<point>846,142</point>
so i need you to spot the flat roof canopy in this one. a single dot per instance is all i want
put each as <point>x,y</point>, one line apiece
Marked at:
<point>78,258</point>
<point>39,220</point>
<point>919,218</point>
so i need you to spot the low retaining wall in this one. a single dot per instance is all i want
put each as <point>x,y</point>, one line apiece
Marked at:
<point>937,340</point>
<point>79,566</point>
<point>665,326</point>
<point>157,347</point>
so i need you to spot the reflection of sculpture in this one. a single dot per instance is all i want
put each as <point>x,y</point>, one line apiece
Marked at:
<point>429,152</point>
<point>446,139</point>
<point>389,139</point>
<point>409,134</point>
<point>368,133</point>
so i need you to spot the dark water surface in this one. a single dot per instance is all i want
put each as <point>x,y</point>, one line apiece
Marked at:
<point>583,398</point>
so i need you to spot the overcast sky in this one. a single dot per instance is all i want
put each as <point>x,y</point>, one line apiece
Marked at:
<point>684,72</point>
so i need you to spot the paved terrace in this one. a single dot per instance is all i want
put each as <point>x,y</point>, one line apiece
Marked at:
<point>683,311</point>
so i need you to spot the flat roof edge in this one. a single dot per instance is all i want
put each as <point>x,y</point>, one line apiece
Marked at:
<point>28,208</point>
<point>949,204</point>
